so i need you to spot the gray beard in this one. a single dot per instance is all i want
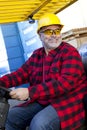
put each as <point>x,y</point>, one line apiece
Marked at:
<point>52,45</point>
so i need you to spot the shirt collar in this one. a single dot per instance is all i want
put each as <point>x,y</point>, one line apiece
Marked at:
<point>53,52</point>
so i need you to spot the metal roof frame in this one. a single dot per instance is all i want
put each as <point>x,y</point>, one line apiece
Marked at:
<point>21,10</point>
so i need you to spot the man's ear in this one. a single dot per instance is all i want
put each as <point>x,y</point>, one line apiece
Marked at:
<point>39,34</point>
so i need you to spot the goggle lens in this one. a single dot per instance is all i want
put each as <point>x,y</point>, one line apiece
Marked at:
<point>50,32</point>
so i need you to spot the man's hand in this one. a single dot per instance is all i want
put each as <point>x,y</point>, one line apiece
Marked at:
<point>20,93</point>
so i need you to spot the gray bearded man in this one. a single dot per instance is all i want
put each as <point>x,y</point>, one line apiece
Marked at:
<point>57,84</point>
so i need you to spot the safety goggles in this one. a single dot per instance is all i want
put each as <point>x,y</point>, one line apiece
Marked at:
<point>51,32</point>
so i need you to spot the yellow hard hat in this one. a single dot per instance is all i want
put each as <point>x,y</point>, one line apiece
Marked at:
<point>48,19</point>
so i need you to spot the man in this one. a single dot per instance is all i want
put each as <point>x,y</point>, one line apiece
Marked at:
<point>57,84</point>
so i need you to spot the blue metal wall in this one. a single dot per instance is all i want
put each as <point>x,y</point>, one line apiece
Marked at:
<point>19,40</point>
<point>29,37</point>
<point>4,66</point>
<point>13,46</point>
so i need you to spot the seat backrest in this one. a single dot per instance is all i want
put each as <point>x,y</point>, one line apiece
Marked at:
<point>85,65</point>
<point>83,52</point>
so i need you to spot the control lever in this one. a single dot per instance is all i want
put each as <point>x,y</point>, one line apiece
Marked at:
<point>4,106</point>
<point>4,92</point>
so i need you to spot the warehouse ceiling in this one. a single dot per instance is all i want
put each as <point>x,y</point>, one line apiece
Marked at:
<point>21,10</point>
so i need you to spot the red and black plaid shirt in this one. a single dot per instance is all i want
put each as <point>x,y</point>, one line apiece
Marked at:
<point>57,79</point>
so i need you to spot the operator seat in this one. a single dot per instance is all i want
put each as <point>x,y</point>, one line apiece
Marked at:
<point>85,97</point>
<point>83,52</point>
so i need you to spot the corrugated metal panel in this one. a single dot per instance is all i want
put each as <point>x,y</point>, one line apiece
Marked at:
<point>4,65</point>
<point>13,45</point>
<point>29,37</point>
<point>21,10</point>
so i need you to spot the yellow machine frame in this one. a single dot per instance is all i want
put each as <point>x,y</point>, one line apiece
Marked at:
<point>21,10</point>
